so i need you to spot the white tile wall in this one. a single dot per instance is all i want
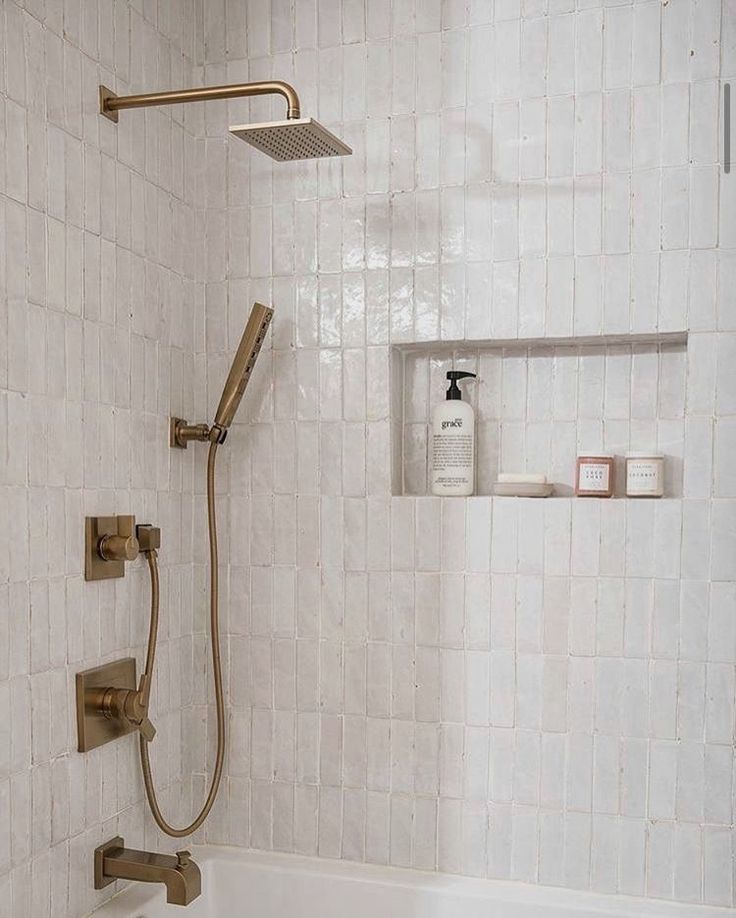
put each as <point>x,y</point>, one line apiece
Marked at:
<point>537,690</point>
<point>100,326</point>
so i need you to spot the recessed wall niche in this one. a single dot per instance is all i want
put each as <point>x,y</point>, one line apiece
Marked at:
<point>540,401</point>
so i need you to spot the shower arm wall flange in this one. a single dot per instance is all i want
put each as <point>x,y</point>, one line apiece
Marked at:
<point>111,104</point>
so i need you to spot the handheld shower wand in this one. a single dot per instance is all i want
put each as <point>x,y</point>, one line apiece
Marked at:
<point>181,434</point>
<point>242,366</point>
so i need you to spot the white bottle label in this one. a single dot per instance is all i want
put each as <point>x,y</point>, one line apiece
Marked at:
<point>453,447</point>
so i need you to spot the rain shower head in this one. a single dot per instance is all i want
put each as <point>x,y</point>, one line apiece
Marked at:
<point>297,138</point>
<point>242,367</point>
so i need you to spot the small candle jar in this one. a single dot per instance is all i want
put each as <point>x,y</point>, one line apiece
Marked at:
<point>594,476</point>
<point>644,475</point>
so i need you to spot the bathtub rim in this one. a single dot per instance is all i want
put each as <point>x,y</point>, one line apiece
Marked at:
<point>139,895</point>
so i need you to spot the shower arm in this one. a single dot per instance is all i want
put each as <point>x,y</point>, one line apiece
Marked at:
<point>111,104</point>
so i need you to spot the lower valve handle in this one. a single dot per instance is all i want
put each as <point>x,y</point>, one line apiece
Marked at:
<point>146,729</point>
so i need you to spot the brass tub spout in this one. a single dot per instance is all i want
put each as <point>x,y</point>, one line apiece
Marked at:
<point>179,873</point>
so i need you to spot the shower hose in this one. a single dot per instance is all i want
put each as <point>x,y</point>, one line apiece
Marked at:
<point>216,667</point>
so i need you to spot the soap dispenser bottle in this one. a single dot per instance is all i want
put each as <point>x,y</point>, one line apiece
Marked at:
<point>453,442</point>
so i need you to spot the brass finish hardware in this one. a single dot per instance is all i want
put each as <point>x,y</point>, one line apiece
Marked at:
<point>110,847</point>
<point>179,873</point>
<point>110,706</point>
<point>106,95</point>
<point>152,558</point>
<point>290,140</point>
<point>242,367</point>
<point>111,104</point>
<point>149,537</point>
<point>123,545</point>
<point>109,541</point>
<point>96,723</point>
<point>181,433</point>
<point>108,703</point>
<point>130,707</point>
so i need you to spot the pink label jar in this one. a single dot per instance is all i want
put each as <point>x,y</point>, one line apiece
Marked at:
<point>594,475</point>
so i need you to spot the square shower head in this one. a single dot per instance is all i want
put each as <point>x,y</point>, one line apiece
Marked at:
<point>297,138</point>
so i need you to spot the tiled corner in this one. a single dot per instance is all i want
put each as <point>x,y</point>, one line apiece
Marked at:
<point>100,318</point>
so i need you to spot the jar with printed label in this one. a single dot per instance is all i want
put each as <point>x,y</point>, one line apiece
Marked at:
<point>644,475</point>
<point>594,476</point>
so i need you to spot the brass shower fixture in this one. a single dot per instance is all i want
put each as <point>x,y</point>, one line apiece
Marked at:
<point>109,541</point>
<point>108,703</point>
<point>294,138</point>
<point>111,103</point>
<point>178,872</point>
<point>181,433</point>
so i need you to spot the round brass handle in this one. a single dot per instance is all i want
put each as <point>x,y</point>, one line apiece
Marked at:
<point>127,706</point>
<point>119,548</point>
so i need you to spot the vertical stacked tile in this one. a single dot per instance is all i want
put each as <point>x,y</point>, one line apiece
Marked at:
<point>541,691</point>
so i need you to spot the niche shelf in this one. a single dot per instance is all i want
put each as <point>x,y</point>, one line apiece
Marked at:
<point>539,400</point>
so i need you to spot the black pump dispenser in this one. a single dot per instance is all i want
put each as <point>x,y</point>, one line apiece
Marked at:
<point>453,375</point>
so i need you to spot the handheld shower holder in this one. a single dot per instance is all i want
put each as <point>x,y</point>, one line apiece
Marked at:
<point>182,433</point>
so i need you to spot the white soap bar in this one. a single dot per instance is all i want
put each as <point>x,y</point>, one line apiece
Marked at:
<point>521,478</point>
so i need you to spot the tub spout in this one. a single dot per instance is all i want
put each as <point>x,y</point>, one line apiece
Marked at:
<point>179,873</point>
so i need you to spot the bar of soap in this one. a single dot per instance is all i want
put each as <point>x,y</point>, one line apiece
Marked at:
<point>521,478</point>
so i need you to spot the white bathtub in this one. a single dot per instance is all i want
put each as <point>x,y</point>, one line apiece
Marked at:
<point>250,884</point>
